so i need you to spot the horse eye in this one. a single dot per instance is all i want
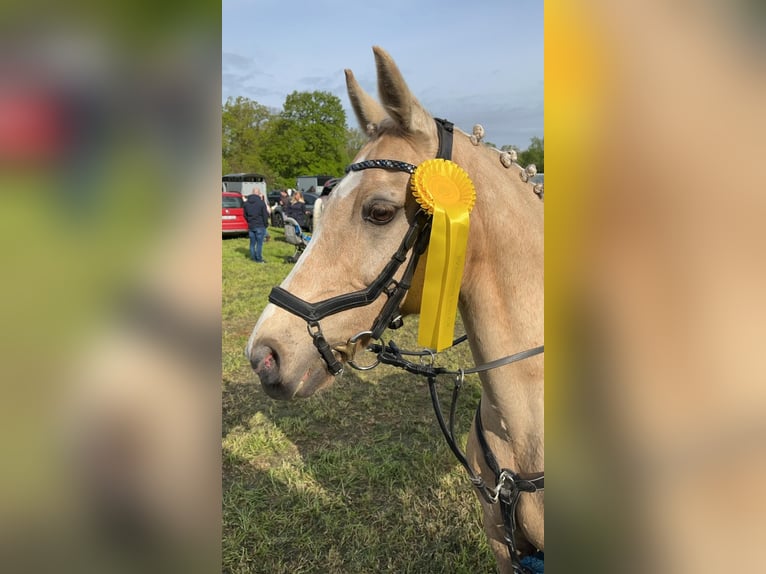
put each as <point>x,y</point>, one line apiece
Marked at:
<point>380,213</point>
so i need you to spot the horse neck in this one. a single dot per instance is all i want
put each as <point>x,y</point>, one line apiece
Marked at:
<point>502,301</point>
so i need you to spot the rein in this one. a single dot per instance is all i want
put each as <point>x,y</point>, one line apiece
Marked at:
<point>508,485</point>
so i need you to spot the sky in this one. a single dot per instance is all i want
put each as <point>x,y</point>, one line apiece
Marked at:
<point>468,62</point>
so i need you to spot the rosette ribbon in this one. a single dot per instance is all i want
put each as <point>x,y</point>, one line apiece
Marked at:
<point>443,189</point>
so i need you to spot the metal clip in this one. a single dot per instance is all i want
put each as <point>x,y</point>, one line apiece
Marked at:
<point>503,484</point>
<point>317,332</point>
<point>428,353</point>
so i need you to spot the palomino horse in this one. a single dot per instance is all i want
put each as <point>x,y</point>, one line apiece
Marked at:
<point>349,264</point>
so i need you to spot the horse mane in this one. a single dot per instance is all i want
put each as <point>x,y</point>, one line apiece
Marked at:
<point>507,159</point>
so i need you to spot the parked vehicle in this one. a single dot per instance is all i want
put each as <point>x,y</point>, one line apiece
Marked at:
<point>277,217</point>
<point>273,197</point>
<point>244,183</point>
<point>329,185</point>
<point>232,214</point>
<point>311,183</point>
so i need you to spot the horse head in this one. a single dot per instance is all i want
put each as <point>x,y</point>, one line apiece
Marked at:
<point>362,269</point>
<point>365,219</point>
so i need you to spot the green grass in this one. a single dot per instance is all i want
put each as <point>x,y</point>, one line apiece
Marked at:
<point>355,479</point>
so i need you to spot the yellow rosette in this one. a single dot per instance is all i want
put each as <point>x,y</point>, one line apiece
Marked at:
<point>443,189</point>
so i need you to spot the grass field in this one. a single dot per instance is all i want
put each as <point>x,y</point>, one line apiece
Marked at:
<point>355,479</point>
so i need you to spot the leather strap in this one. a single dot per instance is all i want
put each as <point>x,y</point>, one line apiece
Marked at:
<point>533,482</point>
<point>445,129</point>
<point>314,312</point>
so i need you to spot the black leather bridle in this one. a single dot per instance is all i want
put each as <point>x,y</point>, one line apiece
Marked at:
<point>415,240</point>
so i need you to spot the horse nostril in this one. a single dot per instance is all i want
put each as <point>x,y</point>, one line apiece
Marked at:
<point>265,363</point>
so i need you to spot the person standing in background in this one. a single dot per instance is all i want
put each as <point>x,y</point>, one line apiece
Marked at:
<point>297,209</point>
<point>257,217</point>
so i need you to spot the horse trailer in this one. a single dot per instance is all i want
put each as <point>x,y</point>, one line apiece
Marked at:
<point>244,183</point>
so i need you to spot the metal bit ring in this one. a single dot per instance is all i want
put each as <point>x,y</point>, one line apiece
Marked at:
<point>351,343</point>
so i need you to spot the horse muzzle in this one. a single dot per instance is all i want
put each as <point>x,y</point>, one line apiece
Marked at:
<point>265,362</point>
<point>269,364</point>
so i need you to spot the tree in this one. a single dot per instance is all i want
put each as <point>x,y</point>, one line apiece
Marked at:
<point>308,137</point>
<point>355,141</point>
<point>535,154</point>
<point>244,123</point>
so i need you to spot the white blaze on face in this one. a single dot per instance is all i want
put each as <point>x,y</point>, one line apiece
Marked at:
<point>343,190</point>
<point>347,184</point>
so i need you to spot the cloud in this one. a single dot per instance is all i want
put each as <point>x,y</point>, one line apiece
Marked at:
<point>242,76</point>
<point>506,122</point>
<point>239,64</point>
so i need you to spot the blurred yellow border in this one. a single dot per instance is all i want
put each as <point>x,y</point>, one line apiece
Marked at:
<point>574,94</point>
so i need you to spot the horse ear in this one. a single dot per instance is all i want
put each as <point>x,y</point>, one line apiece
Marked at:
<point>396,97</point>
<point>368,112</point>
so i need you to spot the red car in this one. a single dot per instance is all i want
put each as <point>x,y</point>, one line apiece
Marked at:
<point>232,214</point>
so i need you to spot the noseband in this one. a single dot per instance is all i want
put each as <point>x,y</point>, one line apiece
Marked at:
<point>415,240</point>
